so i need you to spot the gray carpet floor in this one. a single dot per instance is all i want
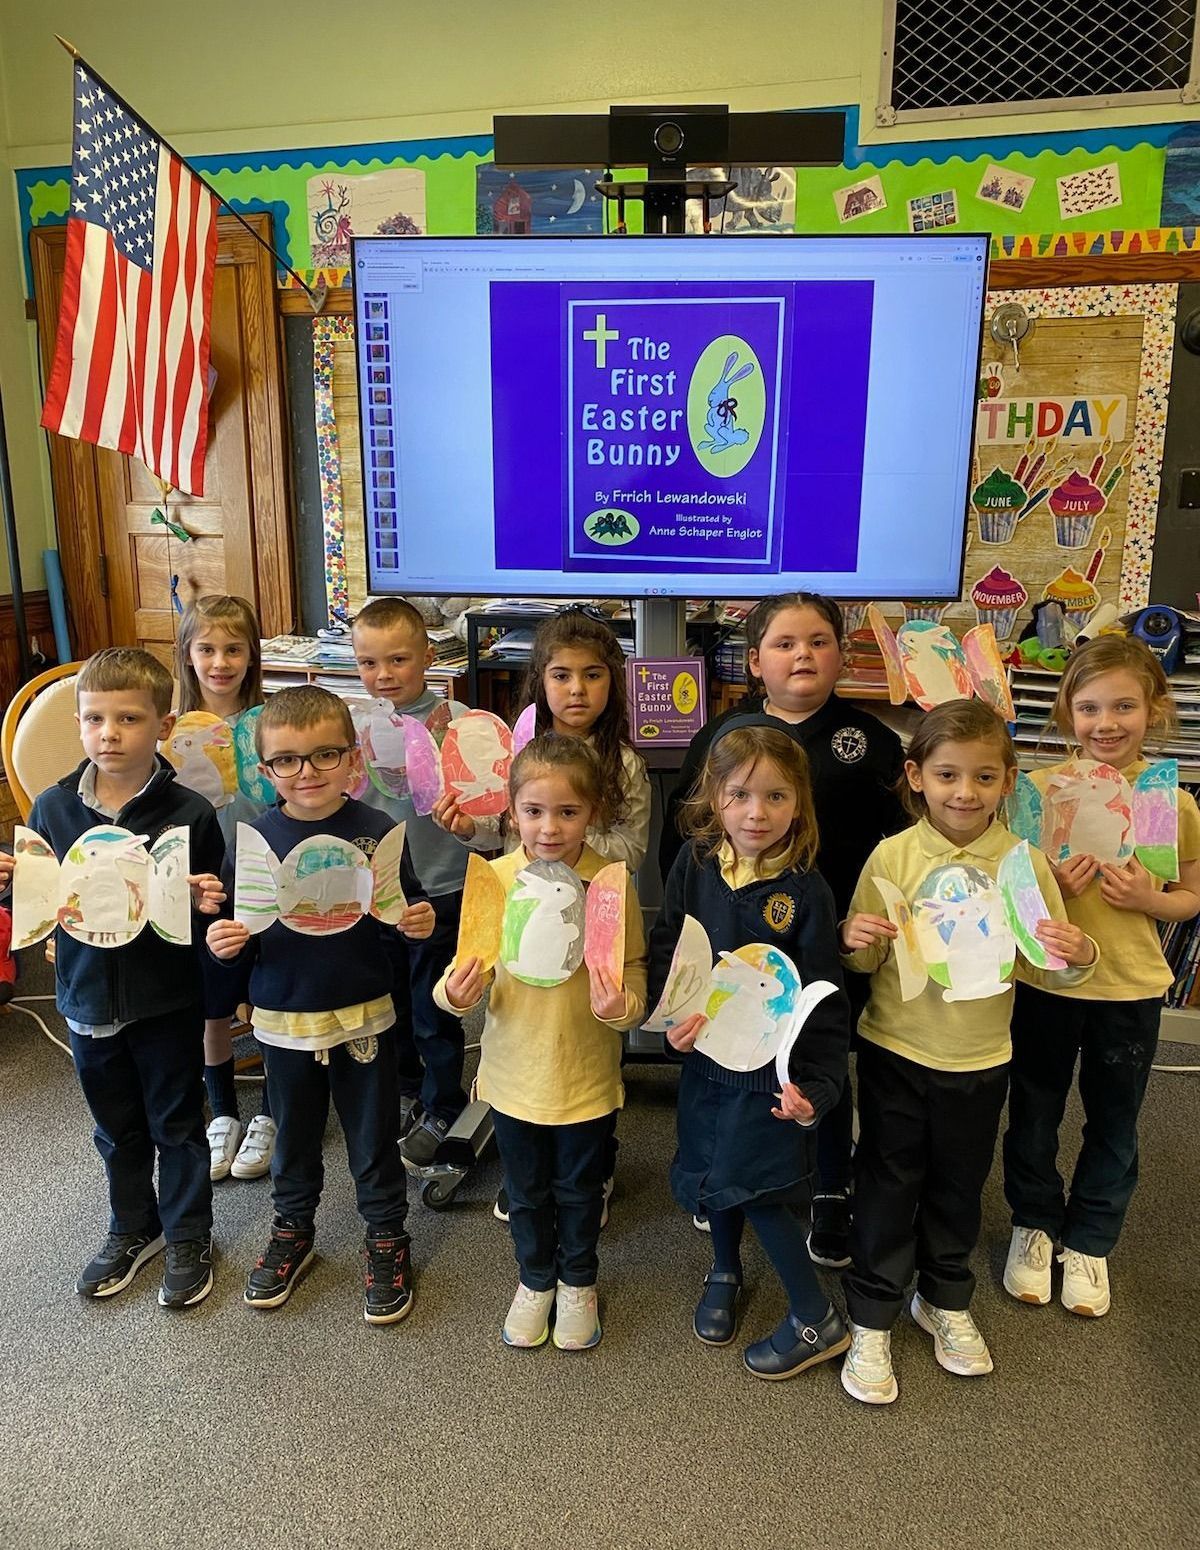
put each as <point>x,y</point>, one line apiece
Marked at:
<point>124,1426</point>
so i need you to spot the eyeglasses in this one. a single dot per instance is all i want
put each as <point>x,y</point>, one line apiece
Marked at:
<point>285,765</point>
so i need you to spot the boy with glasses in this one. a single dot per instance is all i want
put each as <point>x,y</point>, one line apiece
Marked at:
<point>323,1007</point>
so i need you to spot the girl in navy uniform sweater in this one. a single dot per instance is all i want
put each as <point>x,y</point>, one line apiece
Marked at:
<point>745,1152</point>
<point>794,660</point>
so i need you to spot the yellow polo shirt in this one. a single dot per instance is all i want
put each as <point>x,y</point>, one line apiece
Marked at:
<point>944,1035</point>
<point>1132,967</point>
<point>545,1057</point>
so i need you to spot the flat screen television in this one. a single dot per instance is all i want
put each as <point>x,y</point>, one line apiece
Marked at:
<point>668,416</point>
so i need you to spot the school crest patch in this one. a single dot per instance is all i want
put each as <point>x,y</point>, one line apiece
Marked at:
<point>849,744</point>
<point>779,911</point>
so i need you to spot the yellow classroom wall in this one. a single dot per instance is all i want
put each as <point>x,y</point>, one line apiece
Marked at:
<point>236,75</point>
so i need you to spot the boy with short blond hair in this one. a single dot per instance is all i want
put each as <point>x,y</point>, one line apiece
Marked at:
<point>323,1006</point>
<point>392,651</point>
<point>135,1012</point>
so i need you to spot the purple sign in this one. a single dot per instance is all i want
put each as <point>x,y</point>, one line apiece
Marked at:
<point>685,426</point>
<point>667,705</point>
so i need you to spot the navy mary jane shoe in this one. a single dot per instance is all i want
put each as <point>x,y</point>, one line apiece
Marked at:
<point>795,1346</point>
<point>715,1318</point>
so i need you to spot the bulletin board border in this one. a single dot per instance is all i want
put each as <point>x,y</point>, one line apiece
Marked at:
<point>328,332</point>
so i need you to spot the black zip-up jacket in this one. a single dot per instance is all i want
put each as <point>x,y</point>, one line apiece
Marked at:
<point>793,912</point>
<point>855,763</point>
<point>148,976</point>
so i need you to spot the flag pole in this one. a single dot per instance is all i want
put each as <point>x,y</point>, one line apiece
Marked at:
<point>317,296</point>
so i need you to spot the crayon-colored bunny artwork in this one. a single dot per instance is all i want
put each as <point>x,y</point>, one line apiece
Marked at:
<point>108,887</point>
<point>476,755</point>
<point>604,929</point>
<point>541,939</point>
<point>323,886</point>
<point>1090,809</point>
<point>753,1001</point>
<point>201,749</point>
<point>381,741</point>
<point>964,933</point>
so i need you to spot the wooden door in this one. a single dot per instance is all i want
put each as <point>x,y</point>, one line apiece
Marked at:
<point>118,563</point>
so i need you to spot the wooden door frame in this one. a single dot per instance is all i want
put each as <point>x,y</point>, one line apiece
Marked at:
<point>80,473</point>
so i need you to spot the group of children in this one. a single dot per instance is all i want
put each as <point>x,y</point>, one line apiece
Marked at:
<point>791,809</point>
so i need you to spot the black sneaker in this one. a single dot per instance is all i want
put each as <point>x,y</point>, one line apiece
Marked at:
<point>500,1209</point>
<point>829,1240</point>
<point>410,1113</point>
<point>420,1146</point>
<point>123,1255</point>
<point>280,1265</point>
<point>387,1278</point>
<point>188,1276</point>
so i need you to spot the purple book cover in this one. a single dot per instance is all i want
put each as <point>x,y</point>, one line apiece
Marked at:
<point>705,425</point>
<point>667,704</point>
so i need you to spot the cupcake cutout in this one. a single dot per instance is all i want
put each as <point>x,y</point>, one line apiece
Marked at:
<point>1075,504</point>
<point>1076,595</point>
<point>998,502</point>
<point>998,599</point>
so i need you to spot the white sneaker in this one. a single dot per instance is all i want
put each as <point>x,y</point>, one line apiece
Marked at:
<point>528,1321</point>
<point>700,1223</point>
<point>608,1189</point>
<point>867,1371</point>
<point>1027,1269</point>
<point>1085,1283</point>
<point>957,1343</point>
<point>224,1138</point>
<point>576,1318</point>
<point>257,1149</point>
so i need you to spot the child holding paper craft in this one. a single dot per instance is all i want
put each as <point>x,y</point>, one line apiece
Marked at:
<point>218,666</point>
<point>1112,692</point>
<point>550,1058</point>
<point>794,660</point>
<point>576,684</point>
<point>747,877</point>
<point>392,651</point>
<point>933,1054</point>
<point>322,993</point>
<point>135,1011</point>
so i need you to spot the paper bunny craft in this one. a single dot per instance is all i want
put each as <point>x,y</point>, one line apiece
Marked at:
<point>473,762</point>
<point>753,999</point>
<point>324,885</point>
<point>547,924</point>
<point>720,423</point>
<point>963,930</point>
<point>381,734</point>
<point>1090,809</point>
<point>927,660</point>
<point>216,760</point>
<point>108,887</point>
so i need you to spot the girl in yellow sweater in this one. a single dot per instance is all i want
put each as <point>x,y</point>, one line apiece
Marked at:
<point>550,1058</point>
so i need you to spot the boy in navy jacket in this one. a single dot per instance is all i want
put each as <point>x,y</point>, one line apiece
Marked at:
<point>135,1011</point>
<point>323,1009</point>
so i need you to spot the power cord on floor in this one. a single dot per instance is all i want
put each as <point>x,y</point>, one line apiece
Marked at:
<point>18,1005</point>
<point>1177,1070</point>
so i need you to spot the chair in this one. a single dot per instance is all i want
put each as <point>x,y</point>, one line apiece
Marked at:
<point>39,738</point>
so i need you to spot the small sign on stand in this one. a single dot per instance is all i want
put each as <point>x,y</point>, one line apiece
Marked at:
<point>667,704</point>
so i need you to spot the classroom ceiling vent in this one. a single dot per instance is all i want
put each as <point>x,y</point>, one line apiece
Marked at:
<point>949,59</point>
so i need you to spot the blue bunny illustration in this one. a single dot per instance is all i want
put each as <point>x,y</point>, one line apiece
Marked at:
<point>719,422</point>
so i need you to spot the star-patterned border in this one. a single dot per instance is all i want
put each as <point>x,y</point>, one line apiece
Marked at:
<point>327,333</point>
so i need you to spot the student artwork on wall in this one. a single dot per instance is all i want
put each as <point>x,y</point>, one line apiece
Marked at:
<point>518,204</point>
<point>323,886</point>
<point>342,205</point>
<point>217,760</point>
<point>753,1001</point>
<point>1090,809</point>
<point>473,762</point>
<point>109,886</point>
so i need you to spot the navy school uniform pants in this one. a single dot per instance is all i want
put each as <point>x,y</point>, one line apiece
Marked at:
<point>554,1175</point>
<point>145,1088</point>
<point>365,1096</point>
<point>429,1042</point>
<point>925,1146</point>
<point>1114,1043</point>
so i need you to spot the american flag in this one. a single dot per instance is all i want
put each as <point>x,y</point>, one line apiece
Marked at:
<point>131,362</point>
